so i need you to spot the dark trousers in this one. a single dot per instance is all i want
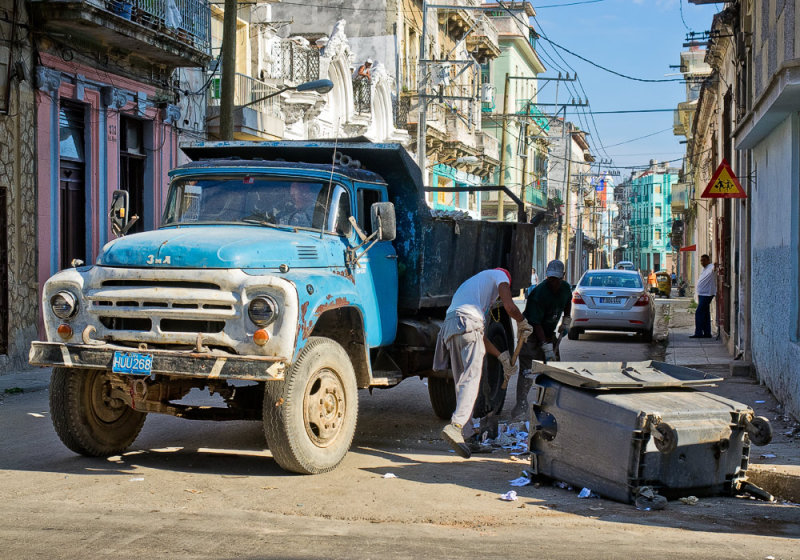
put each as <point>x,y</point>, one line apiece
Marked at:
<point>702,317</point>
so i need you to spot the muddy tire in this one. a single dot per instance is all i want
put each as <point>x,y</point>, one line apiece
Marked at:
<point>87,420</point>
<point>442,392</point>
<point>492,396</point>
<point>647,336</point>
<point>310,417</point>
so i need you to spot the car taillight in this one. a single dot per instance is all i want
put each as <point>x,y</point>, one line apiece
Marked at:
<point>576,298</point>
<point>644,299</point>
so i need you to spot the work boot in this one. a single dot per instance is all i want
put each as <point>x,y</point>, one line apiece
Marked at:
<point>452,435</point>
<point>524,384</point>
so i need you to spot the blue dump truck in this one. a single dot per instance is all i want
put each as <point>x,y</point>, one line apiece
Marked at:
<point>284,277</point>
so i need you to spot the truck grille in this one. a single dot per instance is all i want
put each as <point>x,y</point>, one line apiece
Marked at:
<point>164,311</point>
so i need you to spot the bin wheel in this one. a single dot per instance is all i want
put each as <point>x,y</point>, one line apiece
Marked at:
<point>760,431</point>
<point>665,437</point>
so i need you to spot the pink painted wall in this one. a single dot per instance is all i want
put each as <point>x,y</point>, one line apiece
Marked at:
<point>161,159</point>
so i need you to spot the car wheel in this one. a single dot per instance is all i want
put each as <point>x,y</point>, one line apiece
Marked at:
<point>573,334</point>
<point>647,336</point>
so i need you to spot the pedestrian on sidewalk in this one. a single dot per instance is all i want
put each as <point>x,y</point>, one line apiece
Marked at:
<point>534,282</point>
<point>543,310</point>
<point>705,290</point>
<point>652,281</point>
<point>462,339</point>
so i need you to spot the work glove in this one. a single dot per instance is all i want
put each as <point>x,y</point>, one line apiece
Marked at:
<point>508,369</point>
<point>566,323</point>
<point>524,329</point>
<point>549,353</point>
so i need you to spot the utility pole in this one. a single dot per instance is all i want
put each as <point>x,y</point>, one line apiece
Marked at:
<point>502,180</point>
<point>422,90</point>
<point>228,86</point>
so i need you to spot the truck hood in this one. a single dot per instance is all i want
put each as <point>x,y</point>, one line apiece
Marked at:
<point>223,246</point>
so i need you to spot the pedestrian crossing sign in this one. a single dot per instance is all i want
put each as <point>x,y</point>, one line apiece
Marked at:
<point>724,184</point>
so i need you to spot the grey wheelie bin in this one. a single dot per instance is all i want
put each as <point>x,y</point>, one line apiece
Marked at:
<point>619,427</point>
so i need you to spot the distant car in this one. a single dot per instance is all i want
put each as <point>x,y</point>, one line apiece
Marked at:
<point>612,300</point>
<point>624,265</point>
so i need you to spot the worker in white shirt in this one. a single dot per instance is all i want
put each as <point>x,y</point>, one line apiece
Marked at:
<point>462,340</point>
<point>705,290</point>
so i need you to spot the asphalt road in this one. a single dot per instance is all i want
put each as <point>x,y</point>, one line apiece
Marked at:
<point>190,489</point>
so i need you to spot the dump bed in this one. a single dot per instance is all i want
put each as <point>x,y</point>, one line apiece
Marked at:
<point>434,254</point>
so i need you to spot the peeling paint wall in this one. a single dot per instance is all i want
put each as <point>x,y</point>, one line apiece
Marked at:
<point>17,173</point>
<point>774,287</point>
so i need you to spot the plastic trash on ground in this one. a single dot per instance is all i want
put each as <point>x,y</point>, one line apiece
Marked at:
<point>510,496</point>
<point>521,481</point>
<point>389,475</point>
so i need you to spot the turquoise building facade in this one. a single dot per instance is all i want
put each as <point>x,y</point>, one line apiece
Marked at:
<point>651,218</point>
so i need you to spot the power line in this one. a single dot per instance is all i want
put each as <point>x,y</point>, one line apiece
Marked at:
<point>639,138</point>
<point>569,4</point>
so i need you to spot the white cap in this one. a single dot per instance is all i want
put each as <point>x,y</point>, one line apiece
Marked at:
<point>555,269</point>
<point>369,61</point>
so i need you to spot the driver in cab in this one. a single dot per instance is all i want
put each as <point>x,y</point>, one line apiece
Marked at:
<point>299,210</point>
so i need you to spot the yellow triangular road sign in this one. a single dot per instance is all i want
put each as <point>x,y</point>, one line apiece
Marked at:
<point>724,184</point>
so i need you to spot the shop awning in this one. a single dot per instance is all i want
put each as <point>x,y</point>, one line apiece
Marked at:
<point>689,248</point>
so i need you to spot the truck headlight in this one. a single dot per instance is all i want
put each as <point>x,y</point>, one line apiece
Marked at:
<point>64,305</point>
<point>263,310</point>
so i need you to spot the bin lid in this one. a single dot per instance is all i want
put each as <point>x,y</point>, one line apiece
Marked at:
<point>603,376</point>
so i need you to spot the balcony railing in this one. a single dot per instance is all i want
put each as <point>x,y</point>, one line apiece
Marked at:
<point>362,94</point>
<point>293,62</point>
<point>536,196</point>
<point>248,89</point>
<point>188,20</point>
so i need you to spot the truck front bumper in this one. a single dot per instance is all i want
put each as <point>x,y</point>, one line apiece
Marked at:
<point>165,362</point>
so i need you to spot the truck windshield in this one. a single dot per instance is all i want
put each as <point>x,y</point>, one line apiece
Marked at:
<point>247,199</point>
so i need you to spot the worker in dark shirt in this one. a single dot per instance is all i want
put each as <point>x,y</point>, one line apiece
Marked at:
<point>543,309</point>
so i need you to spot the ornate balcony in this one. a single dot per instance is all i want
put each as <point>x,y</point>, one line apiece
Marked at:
<point>173,33</point>
<point>259,121</point>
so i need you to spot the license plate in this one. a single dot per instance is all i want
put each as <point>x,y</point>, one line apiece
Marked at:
<point>611,300</point>
<point>132,363</point>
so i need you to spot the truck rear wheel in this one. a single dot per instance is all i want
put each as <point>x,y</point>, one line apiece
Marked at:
<point>87,419</point>
<point>310,417</point>
<point>492,396</point>
<point>442,392</point>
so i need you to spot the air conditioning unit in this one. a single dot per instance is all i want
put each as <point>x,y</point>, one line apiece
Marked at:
<point>487,93</point>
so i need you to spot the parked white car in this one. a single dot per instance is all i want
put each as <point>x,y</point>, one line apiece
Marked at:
<point>612,300</point>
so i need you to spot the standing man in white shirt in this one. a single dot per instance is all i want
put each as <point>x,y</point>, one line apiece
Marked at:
<point>705,289</point>
<point>462,337</point>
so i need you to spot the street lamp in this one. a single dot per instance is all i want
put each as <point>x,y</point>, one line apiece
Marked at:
<point>319,86</point>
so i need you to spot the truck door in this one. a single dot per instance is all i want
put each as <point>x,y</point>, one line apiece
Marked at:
<point>376,275</point>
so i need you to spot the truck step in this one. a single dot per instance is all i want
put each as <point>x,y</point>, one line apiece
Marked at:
<point>386,378</point>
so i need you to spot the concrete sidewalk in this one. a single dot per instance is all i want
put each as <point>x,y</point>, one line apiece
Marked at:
<point>776,466</point>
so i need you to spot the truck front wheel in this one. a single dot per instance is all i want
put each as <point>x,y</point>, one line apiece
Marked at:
<point>86,417</point>
<point>310,417</point>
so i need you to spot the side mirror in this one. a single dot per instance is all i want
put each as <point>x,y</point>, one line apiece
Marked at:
<point>118,214</point>
<point>384,221</point>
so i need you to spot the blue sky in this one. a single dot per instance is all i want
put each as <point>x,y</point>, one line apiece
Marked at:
<point>640,38</point>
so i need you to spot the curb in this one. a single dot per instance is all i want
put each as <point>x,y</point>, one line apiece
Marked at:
<point>782,485</point>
